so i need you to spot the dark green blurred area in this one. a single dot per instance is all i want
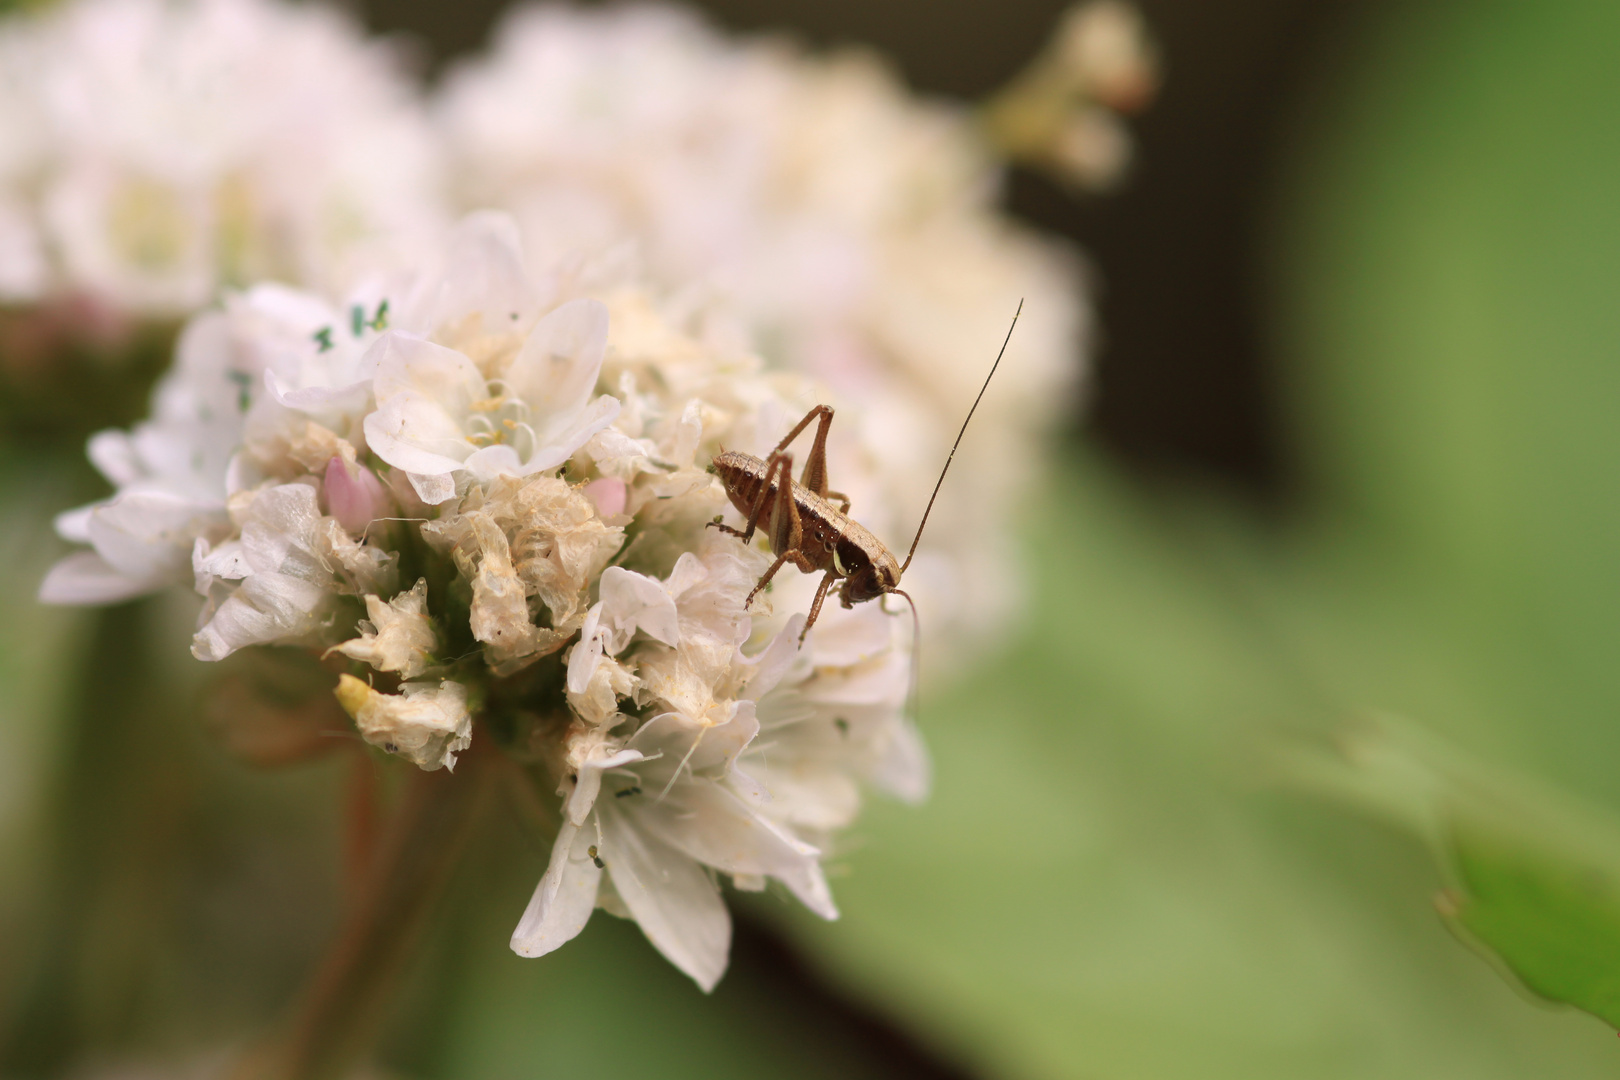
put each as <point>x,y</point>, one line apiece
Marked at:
<point>1118,875</point>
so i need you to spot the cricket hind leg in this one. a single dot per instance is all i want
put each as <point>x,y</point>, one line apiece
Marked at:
<point>787,533</point>
<point>815,466</point>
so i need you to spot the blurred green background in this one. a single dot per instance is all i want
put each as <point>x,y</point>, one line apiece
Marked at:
<point>1352,450</point>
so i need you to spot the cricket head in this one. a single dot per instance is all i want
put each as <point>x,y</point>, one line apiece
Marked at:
<point>867,579</point>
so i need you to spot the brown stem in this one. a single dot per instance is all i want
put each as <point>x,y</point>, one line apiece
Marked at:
<point>361,824</point>
<point>336,1019</point>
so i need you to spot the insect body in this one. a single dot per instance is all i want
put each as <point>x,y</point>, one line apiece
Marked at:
<point>809,525</point>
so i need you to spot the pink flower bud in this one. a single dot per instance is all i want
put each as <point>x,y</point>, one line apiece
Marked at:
<point>608,494</point>
<point>355,496</point>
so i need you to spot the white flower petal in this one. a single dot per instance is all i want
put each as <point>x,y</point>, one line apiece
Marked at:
<point>266,608</point>
<point>74,525</point>
<point>588,782</point>
<point>423,390</point>
<point>712,825</point>
<point>674,901</point>
<point>483,275</point>
<point>148,535</point>
<point>673,740</point>
<point>903,768</point>
<point>228,562</point>
<point>808,883</point>
<point>564,437</point>
<point>557,369</point>
<point>433,489</point>
<point>85,578</point>
<point>280,532</point>
<point>632,601</point>
<point>774,660</point>
<point>488,462</point>
<point>587,654</point>
<point>114,455</point>
<point>564,899</point>
<point>317,400</point>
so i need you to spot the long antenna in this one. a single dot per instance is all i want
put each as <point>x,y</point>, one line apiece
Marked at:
<point>918,538</point>
<point>916,652</point>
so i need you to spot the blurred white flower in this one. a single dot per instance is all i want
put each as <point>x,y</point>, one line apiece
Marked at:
<point>815,210</point>
<point>153,150</point>
<point>1062,112</point>
<point>834,721</point>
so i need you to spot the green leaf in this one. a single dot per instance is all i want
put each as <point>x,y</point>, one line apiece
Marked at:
<point>1532,878</point>
<point>1552,917</point>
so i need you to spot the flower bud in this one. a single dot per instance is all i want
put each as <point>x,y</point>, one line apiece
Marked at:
<point>355,496</point>
<point>610,495</point>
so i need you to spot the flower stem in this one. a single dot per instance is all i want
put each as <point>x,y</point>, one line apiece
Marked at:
<point>335,1022</point>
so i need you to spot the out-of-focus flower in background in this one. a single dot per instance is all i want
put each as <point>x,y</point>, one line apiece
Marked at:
<point>153,151</point>
<point>158,149</point>
<point>1062,112</point>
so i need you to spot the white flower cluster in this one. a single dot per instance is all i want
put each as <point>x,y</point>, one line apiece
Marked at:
<point>486,488</point>
<point>152,150</point>
<point>851,226</point>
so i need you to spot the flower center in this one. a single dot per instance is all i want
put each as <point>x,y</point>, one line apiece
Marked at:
<point>149,225</point>
<point>500,419</point>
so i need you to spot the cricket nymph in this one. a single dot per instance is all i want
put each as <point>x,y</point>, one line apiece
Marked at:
<point>809,524</point>
<point>830,542</point>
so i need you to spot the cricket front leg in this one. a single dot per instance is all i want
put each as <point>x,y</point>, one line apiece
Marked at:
<point>786,533</point>
<point>815,607</point>
<point>764,580</point>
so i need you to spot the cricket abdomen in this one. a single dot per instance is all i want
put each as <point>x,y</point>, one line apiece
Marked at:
<point>825,531</point>
<point>742,475</point>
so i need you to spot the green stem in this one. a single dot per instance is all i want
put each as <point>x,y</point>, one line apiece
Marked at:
<point>337,1018</point>
<point>126,787</point>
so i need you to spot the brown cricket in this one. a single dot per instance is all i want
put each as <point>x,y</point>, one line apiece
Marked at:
<point>807,529</point>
